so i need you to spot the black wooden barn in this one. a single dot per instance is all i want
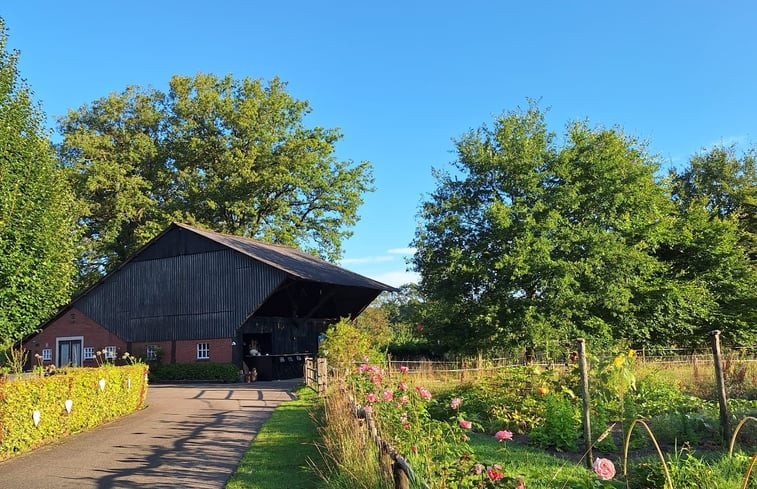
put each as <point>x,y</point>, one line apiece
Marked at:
<point>197,295</point>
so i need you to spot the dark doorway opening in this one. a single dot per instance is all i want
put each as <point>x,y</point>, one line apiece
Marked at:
<point>262,342</point>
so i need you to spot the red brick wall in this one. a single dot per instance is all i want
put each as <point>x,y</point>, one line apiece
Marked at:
<point>74,323</point>
<point>140,349</point>
<point>220,350</point>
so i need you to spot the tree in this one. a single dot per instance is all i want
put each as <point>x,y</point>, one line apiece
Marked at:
<point>531,243</point>
<point>716,198</point>
<point>37,232</point>
<point>230,155</point>
<point>725,185</point>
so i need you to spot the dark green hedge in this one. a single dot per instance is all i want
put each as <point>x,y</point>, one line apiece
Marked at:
<point>124,390</point>
<point>220,372</point>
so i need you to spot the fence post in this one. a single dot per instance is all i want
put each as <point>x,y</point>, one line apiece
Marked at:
<point>322,374</point>
<point>725,417</point>
<point>586,401</point>
<point>385,459</point>
<point>401,480</point>
<point>308,369</point>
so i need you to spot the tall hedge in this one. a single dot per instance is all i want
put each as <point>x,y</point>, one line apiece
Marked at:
<point>97,395</point>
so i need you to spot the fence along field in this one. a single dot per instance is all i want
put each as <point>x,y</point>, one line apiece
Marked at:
<point>707,372</point>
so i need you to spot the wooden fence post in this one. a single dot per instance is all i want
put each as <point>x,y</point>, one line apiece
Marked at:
<point>586,401</point>
<point>307,373</point>
<point>725,416</point>
<point>401,480</point>
<point>322,376</point>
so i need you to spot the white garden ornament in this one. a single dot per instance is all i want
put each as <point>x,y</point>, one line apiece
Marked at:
<point>102,384</point>
<point>35,416</point>
<point>69,403</point>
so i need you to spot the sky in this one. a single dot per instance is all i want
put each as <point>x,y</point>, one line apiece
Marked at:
<point>403,80</point>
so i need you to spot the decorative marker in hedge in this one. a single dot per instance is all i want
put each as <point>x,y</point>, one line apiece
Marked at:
<point>69,403</point>
<point>36,415</point>
<point>102,384</point>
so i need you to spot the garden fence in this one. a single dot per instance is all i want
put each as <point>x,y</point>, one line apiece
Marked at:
<point>316,374</point>
<point>392,463</point>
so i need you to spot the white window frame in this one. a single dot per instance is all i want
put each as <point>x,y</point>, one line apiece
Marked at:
<point>88,353</point>
<point>151,352</point>
<point>109,352</point>
<point>203,351</point>
<point>47,355</point>
<point>67,338</point>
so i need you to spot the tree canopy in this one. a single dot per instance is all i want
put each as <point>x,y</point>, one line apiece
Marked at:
<point>533,239</point>
<point>37,232</point>
<point>231,155</point>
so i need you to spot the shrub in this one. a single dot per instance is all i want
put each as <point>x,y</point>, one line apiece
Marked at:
<point>123,391</point>
<point>346,345</point>
<point>561,424</point>
<point>207,371</point>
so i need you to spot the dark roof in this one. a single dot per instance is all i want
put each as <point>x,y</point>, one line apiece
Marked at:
<point>290,260</point>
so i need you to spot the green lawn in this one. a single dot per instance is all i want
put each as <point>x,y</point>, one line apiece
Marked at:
<point>541,470</point>
<point>278,456</point>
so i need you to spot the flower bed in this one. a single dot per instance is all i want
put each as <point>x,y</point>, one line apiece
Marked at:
<point>40,410</point>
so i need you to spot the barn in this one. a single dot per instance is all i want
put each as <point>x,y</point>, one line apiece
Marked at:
<point>192,295</point>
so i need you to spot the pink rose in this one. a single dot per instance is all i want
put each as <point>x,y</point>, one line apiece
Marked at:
<point>455,403</point>
<point>478,469</point>
<point>503,435</point>
<point>376,379</point>
<point>604,469</point>
<point>404,369</point>
<point>465,424</point>
<point>371,397</point>
<point>495,472</point>
<point>388,395</point>
<point>423,392</point>
<point>404,400</point>
<point>402,386</point>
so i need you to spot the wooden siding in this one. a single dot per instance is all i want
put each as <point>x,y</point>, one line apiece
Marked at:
<point>201,295</point>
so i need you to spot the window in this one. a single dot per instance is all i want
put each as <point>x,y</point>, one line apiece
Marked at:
<point>110,352</point>
<point>47,355</point>
<point>203,351</point>
<point>151,352</point>
<point>89,352</point>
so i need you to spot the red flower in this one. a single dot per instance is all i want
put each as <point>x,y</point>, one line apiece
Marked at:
<point>495,472</point>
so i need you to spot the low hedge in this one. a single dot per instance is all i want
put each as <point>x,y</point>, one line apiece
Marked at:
<point>97,395</point>
<point>219,372</point>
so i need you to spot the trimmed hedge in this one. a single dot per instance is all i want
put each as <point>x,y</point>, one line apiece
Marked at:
<point>219,372</point>
<point>124,390</point>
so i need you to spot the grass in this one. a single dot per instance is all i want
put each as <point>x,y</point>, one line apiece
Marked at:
<point>278,457</point>
<point>540,469</point>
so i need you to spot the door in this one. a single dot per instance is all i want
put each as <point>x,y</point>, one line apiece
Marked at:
<point>69,353</point>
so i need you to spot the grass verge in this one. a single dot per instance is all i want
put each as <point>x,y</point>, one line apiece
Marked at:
<point>278,456</point>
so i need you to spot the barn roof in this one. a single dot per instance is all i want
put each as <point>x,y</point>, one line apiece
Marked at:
<point>290,260</point>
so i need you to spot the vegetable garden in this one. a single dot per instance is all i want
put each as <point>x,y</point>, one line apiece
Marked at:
<point>501,425</point>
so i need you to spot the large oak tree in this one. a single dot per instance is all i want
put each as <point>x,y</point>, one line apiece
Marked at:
<point>532,241</point>
<point>231,155</point>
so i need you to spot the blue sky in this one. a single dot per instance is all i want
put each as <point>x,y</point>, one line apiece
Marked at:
<point>402,79</point>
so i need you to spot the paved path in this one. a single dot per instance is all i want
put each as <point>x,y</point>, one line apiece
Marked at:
<point>189,436</point>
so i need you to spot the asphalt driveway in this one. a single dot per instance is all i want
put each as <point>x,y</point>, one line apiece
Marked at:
<point>189,436</point>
